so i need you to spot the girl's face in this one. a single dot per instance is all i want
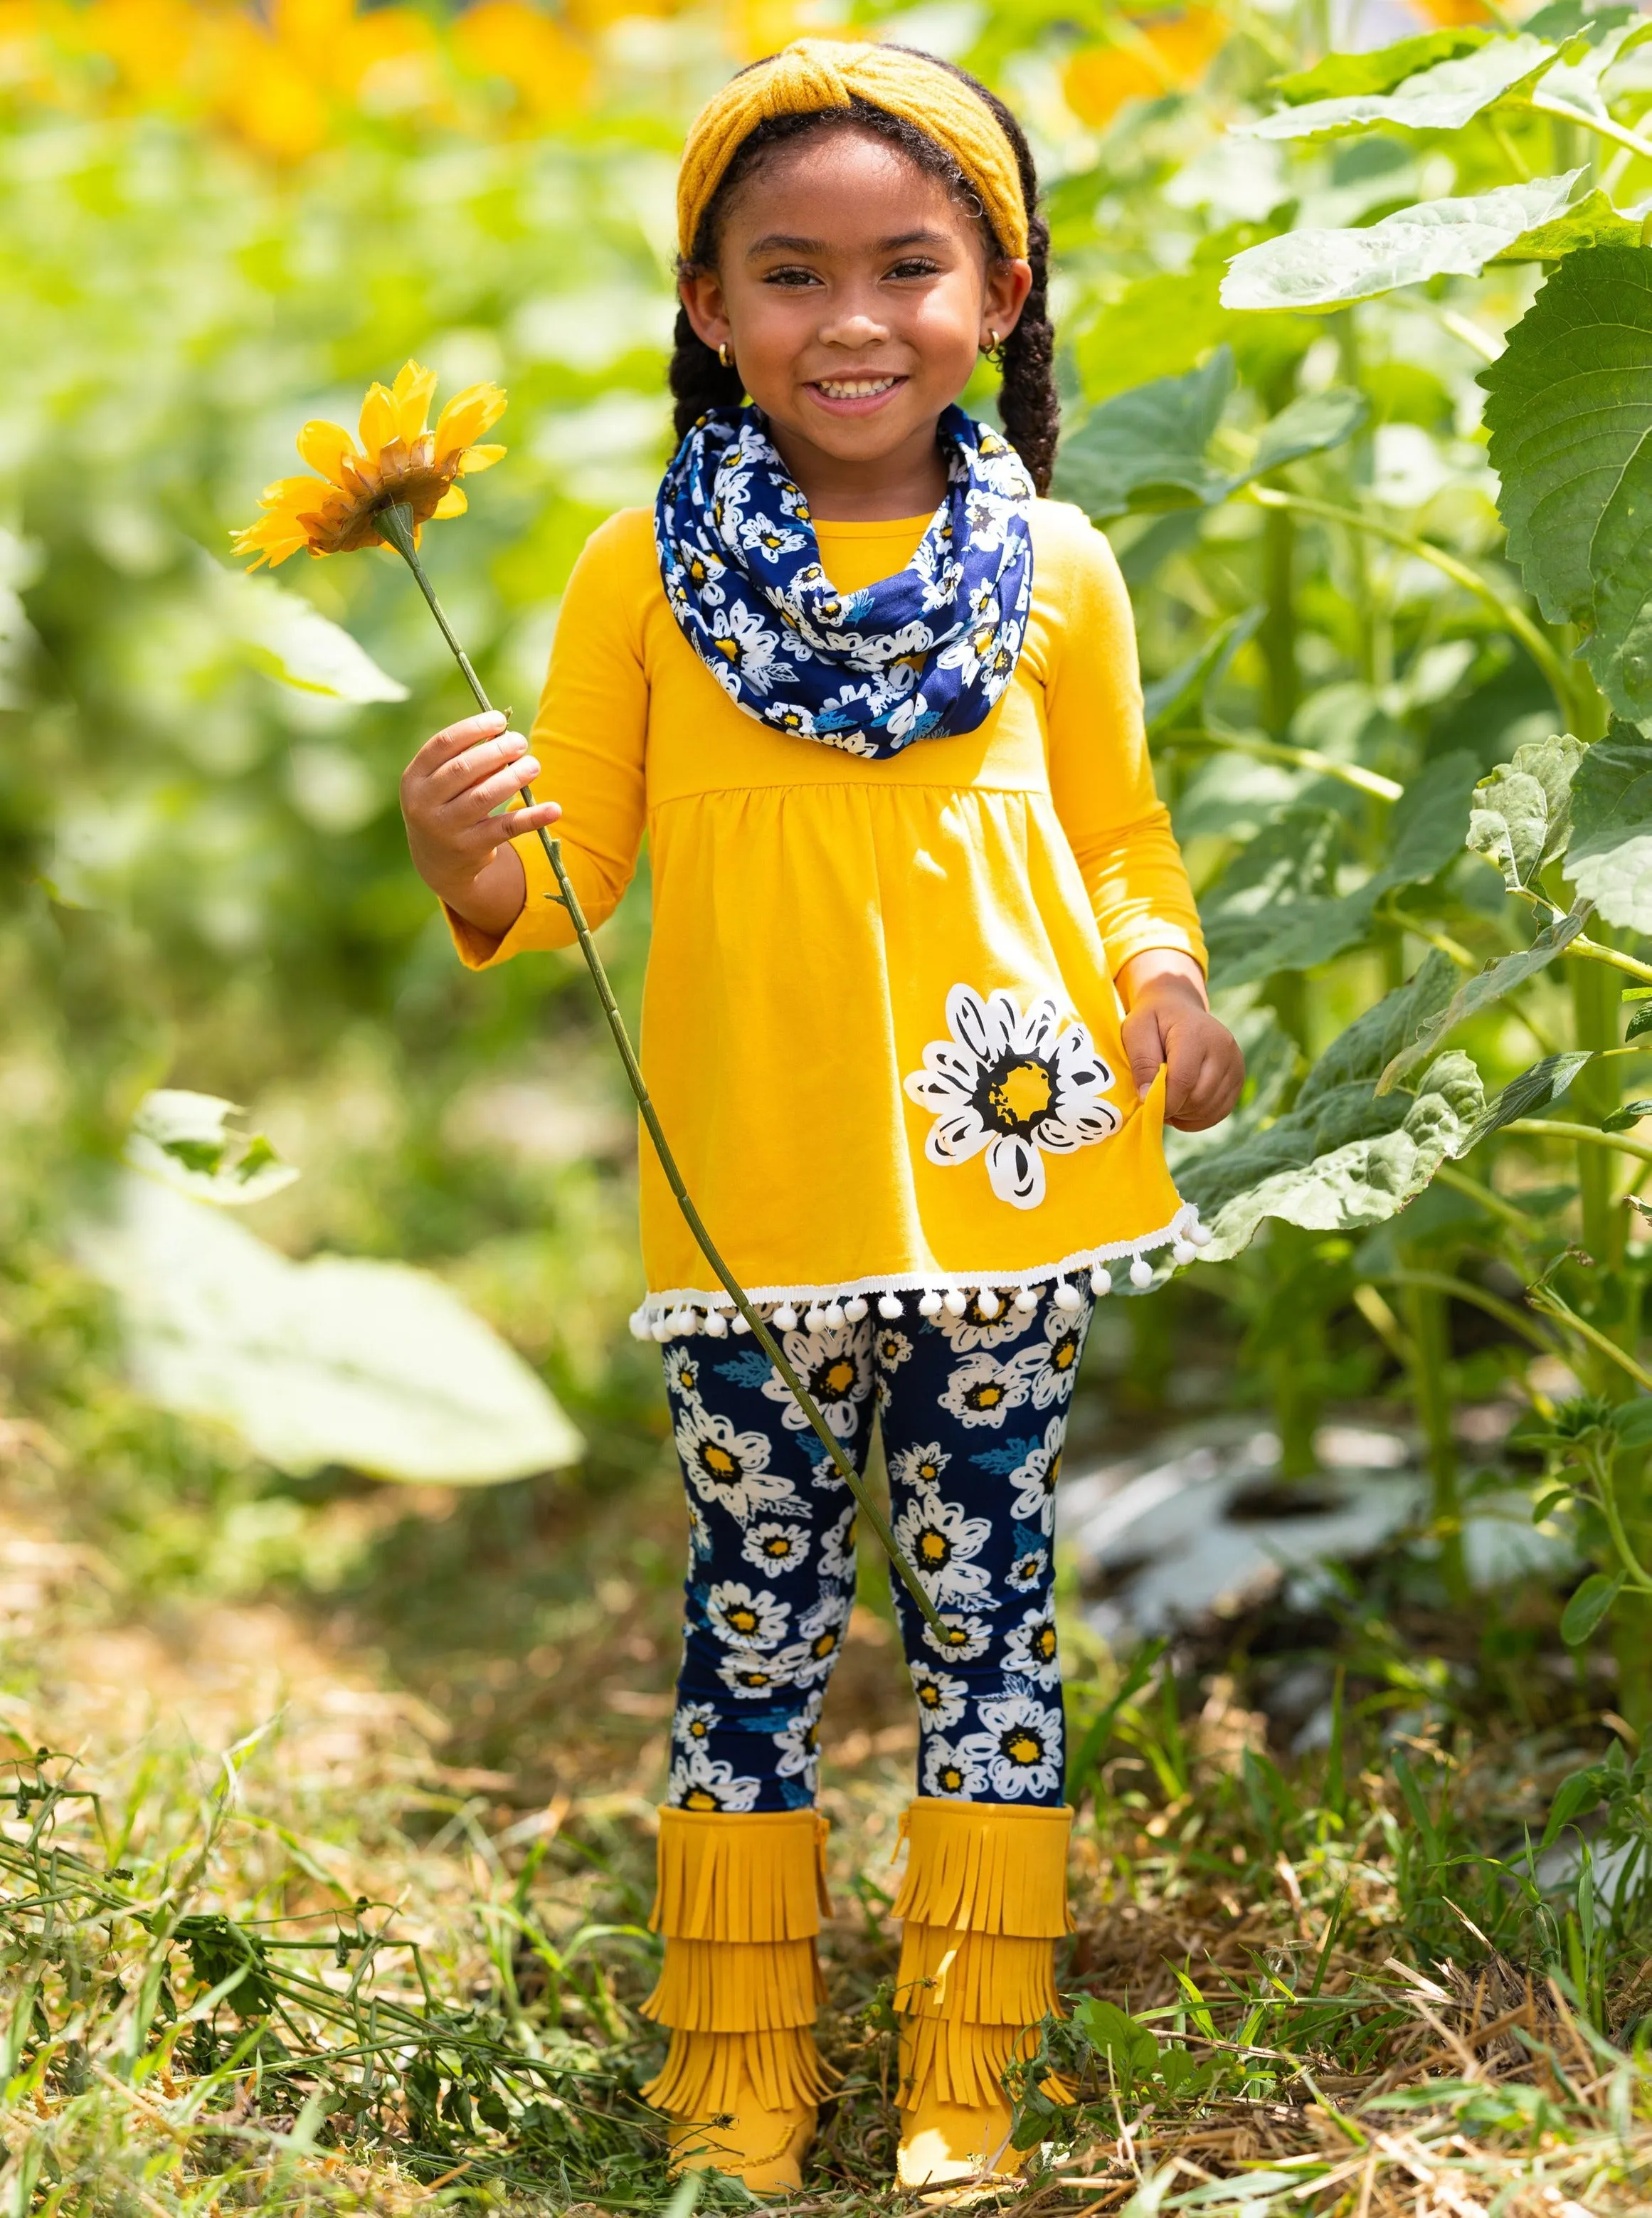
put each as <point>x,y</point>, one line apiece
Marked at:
<point>855,294</point>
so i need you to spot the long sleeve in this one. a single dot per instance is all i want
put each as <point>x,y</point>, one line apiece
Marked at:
<point>1101,777</point>
<point>589,736</point>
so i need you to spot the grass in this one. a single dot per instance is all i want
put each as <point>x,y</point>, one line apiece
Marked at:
<point>325,1888</point>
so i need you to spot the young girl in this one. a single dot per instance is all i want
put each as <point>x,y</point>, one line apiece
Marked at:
<point>924,983</point>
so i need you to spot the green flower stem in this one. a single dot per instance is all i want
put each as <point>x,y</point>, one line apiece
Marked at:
<point>1557,1128</point>
<point>1464,1289</point>
<point>1544,1299</point>
<point>1602,126</point>
<point>396,524</point>
<point>1241,743</point>
<point>1540,649</point>
<point>1613,957</point>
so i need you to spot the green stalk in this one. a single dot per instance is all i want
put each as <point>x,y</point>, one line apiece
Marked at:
<point>1277,636</point>
<point>1426,1320</point>
<point>396,526</point>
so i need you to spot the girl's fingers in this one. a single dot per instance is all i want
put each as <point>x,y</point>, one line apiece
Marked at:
<point>453,739</point>
<point>493,831</point>
<point>464,770</point>
<point>474,801</point>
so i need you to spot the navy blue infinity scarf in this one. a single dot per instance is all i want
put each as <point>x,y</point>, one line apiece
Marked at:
<point>916,656</point>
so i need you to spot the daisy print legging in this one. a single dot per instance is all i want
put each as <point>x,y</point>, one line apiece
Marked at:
<point>974,1411</point>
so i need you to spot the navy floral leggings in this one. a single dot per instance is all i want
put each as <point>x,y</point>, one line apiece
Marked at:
<point>973,1412</point>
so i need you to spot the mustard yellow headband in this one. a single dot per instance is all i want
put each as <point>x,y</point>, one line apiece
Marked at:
<point>816,73</point>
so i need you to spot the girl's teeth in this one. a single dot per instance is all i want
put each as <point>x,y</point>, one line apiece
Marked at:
<point>854,389</point>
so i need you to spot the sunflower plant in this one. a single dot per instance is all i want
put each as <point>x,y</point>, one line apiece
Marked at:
<point>381,489</point>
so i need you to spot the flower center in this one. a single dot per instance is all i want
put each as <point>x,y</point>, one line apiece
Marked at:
<point>743,1620</point>
<point>1018,1094</point>
<point>719,1462</point>
<point>838,1377</point>
<point>934,1547</point>
<point>699,1800</point>
<point>1022,1746</point>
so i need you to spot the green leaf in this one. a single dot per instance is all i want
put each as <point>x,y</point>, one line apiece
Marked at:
<point>1536,1088</point>
<point>1579,1790</point>
<point>1588,1606</point>
<point>1621,1120</point>
<point>1610,858</point>
<point>1522,816</point>
<point>1632,1422</point>
<point>1574,81</point>
<point>1145,449</point>
<point>1568,412</point>
<point>1308,426</point>
<point>1436,239</point>
<point>1441,97</point>
<point>1184,687</point>
<point>186,1140</point>
<point>289,639</point>
<point>1340,74</point>
<point>1499,977</point>
<point>1272,910</point>
<point>1345,1156</point>
<point>1112,2033</point>
<point>1594,222</point>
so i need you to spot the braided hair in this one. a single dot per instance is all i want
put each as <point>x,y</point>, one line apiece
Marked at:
<point>1027,405</point>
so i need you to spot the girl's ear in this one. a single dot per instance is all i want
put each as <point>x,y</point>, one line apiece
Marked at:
<point>702,295</point>
<point>1003,298</point>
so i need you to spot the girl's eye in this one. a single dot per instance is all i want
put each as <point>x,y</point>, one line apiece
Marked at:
<point>790,276</point>
<point>916,265</point>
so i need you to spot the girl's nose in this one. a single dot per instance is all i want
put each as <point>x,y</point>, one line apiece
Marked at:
<point>853,329</point>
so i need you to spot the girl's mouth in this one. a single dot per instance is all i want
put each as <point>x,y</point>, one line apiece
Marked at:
<point>853,396</point>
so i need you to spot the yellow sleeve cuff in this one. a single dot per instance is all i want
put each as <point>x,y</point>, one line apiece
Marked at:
<point>541,922</point>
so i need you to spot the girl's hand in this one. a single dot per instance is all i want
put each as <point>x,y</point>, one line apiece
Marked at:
<point>1170,1024</point>
<point>448,794</point>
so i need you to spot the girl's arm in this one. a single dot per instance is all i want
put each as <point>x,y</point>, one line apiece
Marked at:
<point>1101,778</point>
<point>584,756</point>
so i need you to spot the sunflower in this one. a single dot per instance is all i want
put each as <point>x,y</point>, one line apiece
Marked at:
<point>400,461</point>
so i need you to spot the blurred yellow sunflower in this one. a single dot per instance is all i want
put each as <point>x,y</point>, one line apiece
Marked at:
<point>399,461</point>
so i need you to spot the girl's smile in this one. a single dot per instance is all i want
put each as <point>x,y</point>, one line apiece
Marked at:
<point>854,396</point>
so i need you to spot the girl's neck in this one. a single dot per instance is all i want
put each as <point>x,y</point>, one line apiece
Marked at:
<point>909,481</point>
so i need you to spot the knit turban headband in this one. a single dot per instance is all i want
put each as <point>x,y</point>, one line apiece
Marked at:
<point>819,73</point>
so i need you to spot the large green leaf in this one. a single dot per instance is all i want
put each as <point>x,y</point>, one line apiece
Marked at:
<point>1522,813</point>
<point>1569,410</point>
<point>187,1141</point>
<point>1538,1088</point>
<point>1345,1156</point>
<point>1609,858</point>
<point>1272,909</point>
<point>1440,98</point>
<point>1574,83</point>
<point>1382,69</point>
<point>1499,977</point>
<point>287,637</point>
<point>1182,688</point>
<point>1146,449</point>
<point>1592,222</point>
<point>1436,239</point>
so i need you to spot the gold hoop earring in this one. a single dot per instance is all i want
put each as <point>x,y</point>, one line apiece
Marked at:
<point>724,356</point>
<point>992,344</point>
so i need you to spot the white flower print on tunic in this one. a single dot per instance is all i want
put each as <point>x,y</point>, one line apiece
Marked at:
<point>1018,1087</point>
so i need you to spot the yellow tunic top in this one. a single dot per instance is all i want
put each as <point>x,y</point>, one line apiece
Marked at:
<point>879,1023</point>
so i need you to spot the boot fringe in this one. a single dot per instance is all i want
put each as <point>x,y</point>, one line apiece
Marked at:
<point>760,1875</point>
<point>704,2073</point>
<point>987,1867</point>
<point>983,1978</point>
<point>737,1986</point>
<point>965,2064</point>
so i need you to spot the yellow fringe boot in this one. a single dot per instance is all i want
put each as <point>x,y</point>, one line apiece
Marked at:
<point>739,1901</point>
<point>984,1900</point>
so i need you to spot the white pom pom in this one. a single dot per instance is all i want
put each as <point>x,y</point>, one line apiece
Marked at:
<point>989,1303</point>
<point>954,1301</point>
<point>813,1317</point>
<point>889,1306</point>
<point>685,1321</point>
<point>661,1328</point>
<point>855,1308</point>
<point>740,1325</point>
<point>1183,1252</point>
<point>1068,1296</point>
<point>1101,1281</point>
<point>1200,1234</point>
<point>716,1324</point>
<point>931,1305</point>
<point>1141,1272</point>
<point>786,1317</point>
<point>639,1324</point>
<point>835,1314</point>
<point>1026,1301</point>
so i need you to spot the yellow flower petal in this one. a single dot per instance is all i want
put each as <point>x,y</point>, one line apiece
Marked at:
<point>451,503</point>
<point>326,446</point>
<point>378,428</point>
<point>466,416</point>
<point>414,389</point>
<point>477,458</point>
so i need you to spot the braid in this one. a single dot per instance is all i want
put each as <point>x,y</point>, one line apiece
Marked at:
<point>1028,407</point>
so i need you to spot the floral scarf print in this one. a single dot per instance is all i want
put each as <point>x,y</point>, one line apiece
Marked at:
<point>921,656</point>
